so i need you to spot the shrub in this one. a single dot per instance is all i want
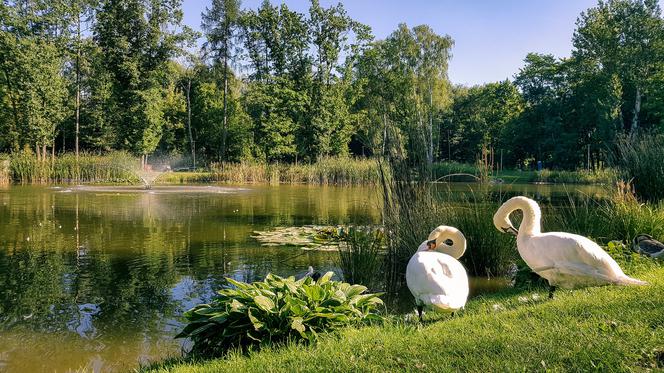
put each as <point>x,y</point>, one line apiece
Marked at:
<point>276,310</point>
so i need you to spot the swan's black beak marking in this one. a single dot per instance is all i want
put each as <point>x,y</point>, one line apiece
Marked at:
<point>431,244</point>
<point>511,231</point>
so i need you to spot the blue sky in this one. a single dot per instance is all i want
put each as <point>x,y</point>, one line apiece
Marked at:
<point>491,37</point>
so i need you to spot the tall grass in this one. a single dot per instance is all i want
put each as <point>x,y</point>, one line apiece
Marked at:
<point>619,217</point>
<point>116,167</point>
<point>5,176</point>
<point>598,176</point>
<point>489,252</point>
<point>337,171</point>
<point>361,255</point>
<point>641,160</point>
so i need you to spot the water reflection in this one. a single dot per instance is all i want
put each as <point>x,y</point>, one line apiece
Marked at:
<point>98,280</point>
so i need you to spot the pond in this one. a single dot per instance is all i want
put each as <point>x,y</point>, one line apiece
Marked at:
<point>97,278</point>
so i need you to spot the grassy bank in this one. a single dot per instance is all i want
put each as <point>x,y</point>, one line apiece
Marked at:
<point>605,329</point>
<point>603,176</point>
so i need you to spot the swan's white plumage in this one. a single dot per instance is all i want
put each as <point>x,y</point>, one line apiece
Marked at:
<point>435,278</point>
<point>563,259</point>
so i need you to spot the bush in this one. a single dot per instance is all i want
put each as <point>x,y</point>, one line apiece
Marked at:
<point>276,310</point>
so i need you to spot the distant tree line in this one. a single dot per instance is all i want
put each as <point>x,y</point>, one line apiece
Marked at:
<point>271,84</point>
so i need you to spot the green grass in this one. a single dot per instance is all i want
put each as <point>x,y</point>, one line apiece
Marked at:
<point>595,329</point>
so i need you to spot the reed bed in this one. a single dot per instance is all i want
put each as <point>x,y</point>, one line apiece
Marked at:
<point>116,167</point>
<point>327,171</point>
<point>361,255</point>
<point>598,176</point>
<point>620,217</point>
<point>640,160</point>
<point>5,176</point>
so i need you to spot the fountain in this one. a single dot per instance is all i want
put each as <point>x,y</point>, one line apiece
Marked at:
<point>148,177</point>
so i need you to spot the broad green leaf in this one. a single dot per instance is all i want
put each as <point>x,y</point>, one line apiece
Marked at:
<point>298,325</point>
<point>264,303</point>
<point>325,278</point>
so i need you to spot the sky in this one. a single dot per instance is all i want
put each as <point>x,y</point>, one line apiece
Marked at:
<point>491,37</point>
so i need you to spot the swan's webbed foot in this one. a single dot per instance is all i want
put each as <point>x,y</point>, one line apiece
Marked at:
<point>551,290</point>
<point>419,311</point>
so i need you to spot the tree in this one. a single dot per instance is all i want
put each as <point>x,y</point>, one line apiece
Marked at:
<point>220,24</point>
<point>135,39</point>
<point>624,38</point>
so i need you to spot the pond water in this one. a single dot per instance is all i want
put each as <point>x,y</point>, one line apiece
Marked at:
<point>96,278</point>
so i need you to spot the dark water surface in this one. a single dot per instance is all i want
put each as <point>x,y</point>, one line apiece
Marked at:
<point>97,278</point>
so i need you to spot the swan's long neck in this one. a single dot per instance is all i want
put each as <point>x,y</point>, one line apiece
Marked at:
<point>532,216</point>
<point>442,233</point>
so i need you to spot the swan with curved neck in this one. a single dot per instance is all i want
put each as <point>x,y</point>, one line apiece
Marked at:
<point>434,275</point>
<point>564,259</point>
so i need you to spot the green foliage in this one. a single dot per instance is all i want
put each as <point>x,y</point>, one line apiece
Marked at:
<point>610,328</point>
<point>317,85</point>
<point>480,116</point>
<point>276,310</point>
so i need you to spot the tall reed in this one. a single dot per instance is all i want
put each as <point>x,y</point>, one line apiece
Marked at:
<point>332,171</point>
<point>489,252</point>
<point>640,160</point>
<point>115,167</point>
<point>361,255</point>
<point>619,217</point>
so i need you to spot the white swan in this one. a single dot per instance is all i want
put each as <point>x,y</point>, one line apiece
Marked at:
<point>434,275</point>
<point>563,259</point>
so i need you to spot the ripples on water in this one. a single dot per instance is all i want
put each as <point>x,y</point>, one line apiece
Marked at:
<point>97,277</point>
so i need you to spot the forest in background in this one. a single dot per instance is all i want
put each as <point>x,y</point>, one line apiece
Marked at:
<point>274,85</point>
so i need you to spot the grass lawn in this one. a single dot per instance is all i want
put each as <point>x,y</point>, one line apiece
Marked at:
<point>595,329</point>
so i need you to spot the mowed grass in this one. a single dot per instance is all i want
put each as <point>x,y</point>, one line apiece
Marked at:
<point>595,329</point>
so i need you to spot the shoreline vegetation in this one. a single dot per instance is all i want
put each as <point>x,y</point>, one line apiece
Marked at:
<point>123,168</point>
<point>603,328</point>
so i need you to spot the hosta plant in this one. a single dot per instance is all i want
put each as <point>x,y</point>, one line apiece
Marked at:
<point>276,310</point>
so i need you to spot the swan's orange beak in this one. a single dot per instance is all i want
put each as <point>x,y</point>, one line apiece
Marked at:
<point>431,244</point>
<point>511,231</point>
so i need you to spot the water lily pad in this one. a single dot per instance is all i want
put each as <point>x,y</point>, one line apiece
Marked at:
<point>307,237</point>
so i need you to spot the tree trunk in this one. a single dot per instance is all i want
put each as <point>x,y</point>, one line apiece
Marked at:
<point>637,109</point>
<point>430,152</point>
<point>224,129</point>
<point>384,132</point>
<point>78,79</point>
<point>191,137</point>
<point>16,125</point>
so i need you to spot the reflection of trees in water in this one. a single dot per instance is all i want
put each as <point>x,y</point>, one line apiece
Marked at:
<point>51,291</point>
<point>114,268</point>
